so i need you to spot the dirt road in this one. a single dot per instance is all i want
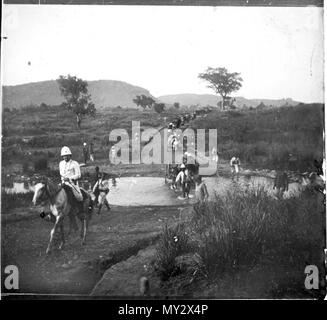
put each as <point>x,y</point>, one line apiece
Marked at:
<point>113,236</point>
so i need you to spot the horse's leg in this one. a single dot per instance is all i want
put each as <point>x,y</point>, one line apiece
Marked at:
<point>84,230</point>
<point>107,204</point>
<point>62,235</point>
<point>99,210</point>
<point>52,233</point>
<point>72,223</point>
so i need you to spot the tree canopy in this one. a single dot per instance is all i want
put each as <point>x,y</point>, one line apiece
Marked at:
<point>222,81</point>
<point>144,101</point>
<point>75,92</point>
<point>159,107</point>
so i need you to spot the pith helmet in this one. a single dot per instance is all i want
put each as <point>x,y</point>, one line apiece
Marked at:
<point>65,151</point>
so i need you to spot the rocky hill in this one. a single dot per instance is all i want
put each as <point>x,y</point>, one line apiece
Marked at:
<point>209,99</point>
<point>104,93</point>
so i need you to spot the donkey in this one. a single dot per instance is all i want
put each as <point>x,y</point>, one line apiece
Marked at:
<point>62,203</point>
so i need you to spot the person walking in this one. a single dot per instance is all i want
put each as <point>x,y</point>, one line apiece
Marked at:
<point>85,152</point>
<point>182,178</point>
<point>100,191</point>
<point>91,151</point>
<point>201,191</point>
<point>235,166</point>
<point>281,183</point>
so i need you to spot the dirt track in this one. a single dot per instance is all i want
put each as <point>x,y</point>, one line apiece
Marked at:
<point>113,236</point>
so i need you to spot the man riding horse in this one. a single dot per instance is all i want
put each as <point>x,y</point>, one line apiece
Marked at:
<point>65,199</point>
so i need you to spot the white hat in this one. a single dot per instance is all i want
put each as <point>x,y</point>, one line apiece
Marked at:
<point>65,151</point>
<point>182,166</point>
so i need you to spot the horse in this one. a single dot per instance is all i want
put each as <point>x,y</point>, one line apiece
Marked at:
<point>62,203</point>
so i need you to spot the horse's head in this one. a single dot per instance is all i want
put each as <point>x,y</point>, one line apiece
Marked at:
<point>39,193</point>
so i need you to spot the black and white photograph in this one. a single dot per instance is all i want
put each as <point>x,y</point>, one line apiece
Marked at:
<point>163,150</point>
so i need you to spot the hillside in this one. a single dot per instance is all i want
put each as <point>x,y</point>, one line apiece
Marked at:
<point>104,93</point>
<point>210,99</point>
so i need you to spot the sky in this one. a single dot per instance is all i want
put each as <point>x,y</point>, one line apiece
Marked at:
<point>277,51</point>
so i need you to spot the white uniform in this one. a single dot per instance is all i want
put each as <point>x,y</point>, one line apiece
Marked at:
<point>71,170</point>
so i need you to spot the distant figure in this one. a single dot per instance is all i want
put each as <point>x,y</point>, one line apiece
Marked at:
<point>173,174</point>
<point>144,286</point>
<point>215,158</point>
<point>214,154</point>
<point>170,127</point>
<point>91,151</point>
<point>187,184</point>
<point>281,183</point>
<point>97,176</point>
<point>201,191</point>
<point>85,152</point>
<point>100,191</point>
<point>184,178</point>
<point>234,164</point>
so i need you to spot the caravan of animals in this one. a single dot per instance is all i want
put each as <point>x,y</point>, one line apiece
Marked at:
<point>173,210</point>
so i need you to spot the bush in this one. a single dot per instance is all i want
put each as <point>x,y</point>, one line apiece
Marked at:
<point>40,164</point>
<point>14,200</point>
<point>25,167</point>
<point>173,243</point>
<point>235,230</point>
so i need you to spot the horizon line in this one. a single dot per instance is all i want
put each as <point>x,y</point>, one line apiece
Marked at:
<point>169,94</point>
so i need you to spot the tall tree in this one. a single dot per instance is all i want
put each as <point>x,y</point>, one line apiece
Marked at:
<point>176,105</point>
<point>75,92</point>
<point>222,81</point>
<point>144,101</point>
<point>159,107</point>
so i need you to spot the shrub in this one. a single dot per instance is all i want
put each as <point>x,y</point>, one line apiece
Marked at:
<point>235,230</point>
<point>25,167</point>
<point>14,200</point>
<point>173,243</point>
<point>40,164</point>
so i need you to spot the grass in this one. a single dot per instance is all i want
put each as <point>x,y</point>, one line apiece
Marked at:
<point>249,230</point>
<point>261,138</point>
<point>15,200</point>
<point>32,133</point>
<point>265,138</point>
<point>173,243</point>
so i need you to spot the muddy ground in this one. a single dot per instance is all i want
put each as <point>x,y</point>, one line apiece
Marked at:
<point>113,236</point>
<point>120,248</point>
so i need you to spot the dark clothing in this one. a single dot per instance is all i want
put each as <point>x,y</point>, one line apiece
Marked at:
<point>281,181</point>
<point>91,148</point>
<point>85,153</point>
